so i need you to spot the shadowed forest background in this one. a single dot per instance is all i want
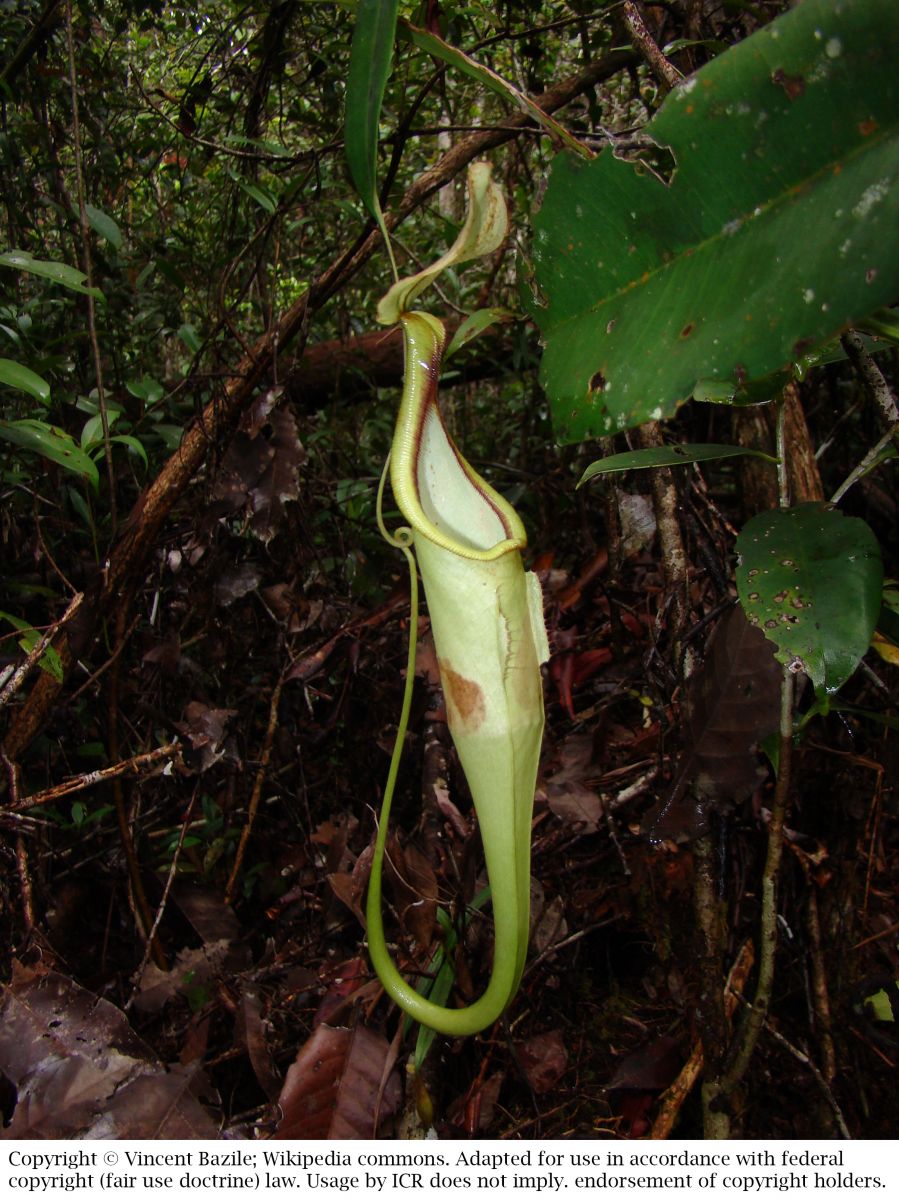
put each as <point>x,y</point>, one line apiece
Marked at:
<point>203,635</point>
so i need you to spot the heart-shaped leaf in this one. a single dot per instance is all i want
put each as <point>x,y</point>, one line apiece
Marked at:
<point>810,579</point>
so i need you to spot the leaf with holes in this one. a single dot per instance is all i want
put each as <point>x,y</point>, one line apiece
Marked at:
<point>810,579</point>
<point>776,231</point>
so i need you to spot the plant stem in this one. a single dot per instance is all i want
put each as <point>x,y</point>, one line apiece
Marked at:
<point>755,1021</point>
<point>88,271</point>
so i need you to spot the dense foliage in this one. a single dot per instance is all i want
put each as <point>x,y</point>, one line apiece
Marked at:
<point>195,408</point>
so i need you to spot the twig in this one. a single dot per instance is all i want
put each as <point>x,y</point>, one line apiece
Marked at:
<point>758,1011</point>
<point>36,652</point>
<point>803,1058</point>
<point>257,790</point>
<point>22,869</point>
<point>881,393</point>
<point>88,270</point>
<point>160,910</point>
<point>665,71</point>
<point>136,765</point>
<point>673,1099</point>
<point>872,377</point>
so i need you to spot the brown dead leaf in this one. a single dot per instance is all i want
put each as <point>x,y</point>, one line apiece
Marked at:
<point>80,1070</point>
<point>331,1090</point>
<point>193,968</point>
<point>204,728</point>
<point>544,1060</point>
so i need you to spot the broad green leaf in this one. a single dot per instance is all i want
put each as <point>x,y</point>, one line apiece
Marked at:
<point>132,443</point>
<point>188,335</point>
<point>104,225</point>
<point>495,83</point>
<point>810,579</point>
<point>92,433</point>
<point>777,230</point>
<point>263,198</point>
<point>52,443</point>
<point>475,324</point>
<point>68,277</point>
<point>666,456</point>
<point>146,388</point>
<point>14,375</point>
<point>370,59</point>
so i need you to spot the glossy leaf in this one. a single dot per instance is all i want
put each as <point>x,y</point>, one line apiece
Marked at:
<point>666,456</point>
<point>52,443</point>
<point>23,379</point>
<point>810,579</point>
<point>776,231</point>
<point>103,225</point>
<point>370,60</point>
<point>68,277</point>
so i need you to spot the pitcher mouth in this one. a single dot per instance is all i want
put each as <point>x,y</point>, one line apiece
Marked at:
<point>441,496</point>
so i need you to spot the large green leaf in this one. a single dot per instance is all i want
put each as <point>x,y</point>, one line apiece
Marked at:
<point>777,230</point>
<point>103,224</point>
<point>14,375</point>
<point>370,58</point>
<point>68,277</point>
<point>50,442</point>
<point>810,579</point>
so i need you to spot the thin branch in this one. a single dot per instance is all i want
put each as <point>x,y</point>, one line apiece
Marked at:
<point>137,765</point>
<point>257,790</point>
<point>36,652</point>
<point>88,271</point>
<point>665,72</point>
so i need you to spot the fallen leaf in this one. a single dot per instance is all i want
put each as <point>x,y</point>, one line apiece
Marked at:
<point>543,1059</point>
<point>80,1070</point>
<point>332,1089</point>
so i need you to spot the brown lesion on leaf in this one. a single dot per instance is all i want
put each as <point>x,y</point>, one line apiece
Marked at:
<point>464,698</point>
<point>793,85</point>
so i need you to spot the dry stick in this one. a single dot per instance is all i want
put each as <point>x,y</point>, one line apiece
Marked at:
<point>88,269</point>
<point>138,895</point>
<point>222,412</point>
<point>673,1099</point>
<point>880,391</point>
<point>131,766</point>
<point>711,1006</point>
<point>24,669</point>
<point>257,790</point>
<point>820,991</point>
<point>666,73</point>
<point>160,910</point>
<point>803,1058</point>
<point>22,869</point>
